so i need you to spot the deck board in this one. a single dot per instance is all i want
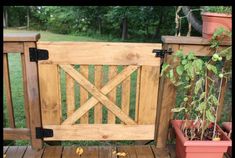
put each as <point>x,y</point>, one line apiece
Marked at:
<point>128,150</point>
<point>16,151</point>
<point>30,153</point>
<point>5,149</point>
<point>52,152</point>
<point>137,151</point>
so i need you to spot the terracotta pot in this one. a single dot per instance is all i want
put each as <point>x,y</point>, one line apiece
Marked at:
<point>228,126</point>
<point>199,149</point>
<point>211,21</point>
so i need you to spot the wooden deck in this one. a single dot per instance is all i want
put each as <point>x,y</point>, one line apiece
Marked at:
<point>140,151</point>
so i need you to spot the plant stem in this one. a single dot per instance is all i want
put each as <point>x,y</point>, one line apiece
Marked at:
<point>204,111</point>
<point>216,113</point>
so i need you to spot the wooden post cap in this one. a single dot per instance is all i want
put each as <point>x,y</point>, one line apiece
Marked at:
<point>21,37</point>
<point>190,40</point>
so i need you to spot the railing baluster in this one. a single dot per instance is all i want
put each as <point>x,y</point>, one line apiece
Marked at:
<point>7,85</point>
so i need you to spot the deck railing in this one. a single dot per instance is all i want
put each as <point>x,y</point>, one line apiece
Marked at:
<point>43,106</point>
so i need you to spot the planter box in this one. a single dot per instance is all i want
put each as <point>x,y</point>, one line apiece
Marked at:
<point>199,149</point>
<point>228,126</point>
<point>211,21</point>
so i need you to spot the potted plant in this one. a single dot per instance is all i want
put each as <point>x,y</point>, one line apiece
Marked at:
<point>227,126</point>
<point>214,17</point>
<point>197,134</point>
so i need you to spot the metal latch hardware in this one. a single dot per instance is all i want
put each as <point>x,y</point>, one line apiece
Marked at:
<point>161,52</point>
<point>38,54</point>
<point>43,133</point>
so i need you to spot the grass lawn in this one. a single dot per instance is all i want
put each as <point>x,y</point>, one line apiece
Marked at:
<point>17,88</point>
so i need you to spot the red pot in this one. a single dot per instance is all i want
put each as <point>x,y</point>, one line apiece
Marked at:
<point>228,126</point>
<point>199,149</point>
<point>211,21</point>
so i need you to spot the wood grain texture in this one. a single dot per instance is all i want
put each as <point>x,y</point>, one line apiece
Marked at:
<point>21,37</point>
<point>52,152</point>
<point>49,82</point>
<point>189,40</point>
<point>112,94</point>
<point>105,53</point>
<point>96,93</point>
<point>144,152</point>
<point>84,70</point>
<point>160,153</point>
<point>13,47</point>
<point>31,153</point>
<point>101,132</point>
<point>70,96</point>
<point>5,148</point>
<point>7,85</point>
<point>106,89</point>
<point>16,152</point>
<point>16,134</point>
<point>107,152</point>
<point>148,94</point>
<point>33,95</point>
<point>98,84</point>
<point>166,101</point>
<point>126,91</point>
<point>26,104</point>
<point>130,151</point>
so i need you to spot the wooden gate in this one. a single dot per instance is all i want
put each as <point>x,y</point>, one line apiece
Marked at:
<point>119,69</point>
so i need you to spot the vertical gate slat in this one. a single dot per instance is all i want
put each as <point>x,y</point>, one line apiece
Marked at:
<point>7,85</point>
<point>26,104</point>
<point>33,95</point>
<point>126,85</point>
<point>84,70</point>
<point>112,94</point>
<point>98,84</point>
<point>137,94</point>
<point>49,82</point>
<point>70,96</point>
<point>148,94</point>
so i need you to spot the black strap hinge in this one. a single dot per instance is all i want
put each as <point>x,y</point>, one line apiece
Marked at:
<point>43,133</point>
<point>38,54</point>
<point>161,53</point>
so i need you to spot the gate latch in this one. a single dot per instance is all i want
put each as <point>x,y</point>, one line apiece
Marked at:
<point>161,52</point>
<point>43,133</point>
<point>38,54</point>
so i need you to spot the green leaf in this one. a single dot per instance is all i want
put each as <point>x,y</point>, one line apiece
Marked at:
<point>164,67</point>
<point>198,64</point>
<point>190,70</point>
<point>171,74</point>
<point>214,100</point>
<point>177,109</point>
<point>184,61</point>
<point>210,116</point>
<point>201,106</point>
<point>212,68</point>
<point>179,53</point>
<point>202,96</point>
<point>188,86</point>
<point>190,56</point>
<point>198,85</point>
<point>180,69</point>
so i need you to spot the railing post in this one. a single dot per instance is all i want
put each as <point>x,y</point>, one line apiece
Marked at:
<point>31,76</point>
<point>167,91</point>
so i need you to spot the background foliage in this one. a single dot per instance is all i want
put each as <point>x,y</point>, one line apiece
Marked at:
<point>142,23</point>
